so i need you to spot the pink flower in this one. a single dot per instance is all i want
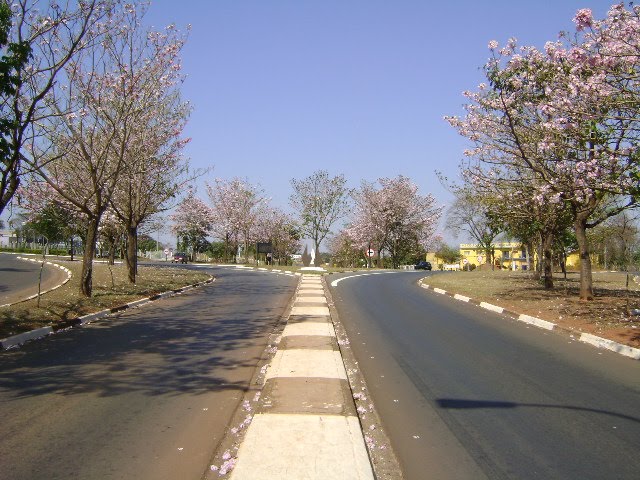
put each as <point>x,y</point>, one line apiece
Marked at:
<point>227,466</point>
<point>583,19</point>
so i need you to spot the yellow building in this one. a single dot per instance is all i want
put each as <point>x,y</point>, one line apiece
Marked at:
<point>508,255</point>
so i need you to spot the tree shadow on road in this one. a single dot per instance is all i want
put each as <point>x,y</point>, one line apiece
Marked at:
<point>465,404</point>
<point>193,343</point>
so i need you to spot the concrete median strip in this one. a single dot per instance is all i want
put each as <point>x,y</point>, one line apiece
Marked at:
<point>311,291</point>
<point>307,363</point>
<point>292,446</point>
<point>324,329</point>
<point>310,310</point>
<point>306,425</point>
<point>311,299</point>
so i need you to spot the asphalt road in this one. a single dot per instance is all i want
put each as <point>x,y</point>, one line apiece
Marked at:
<point>19,278</point>
<point>146,395</point>
<point>467,394</point>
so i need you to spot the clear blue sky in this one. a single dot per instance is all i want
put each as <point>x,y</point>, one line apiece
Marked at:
<point>283,88</point>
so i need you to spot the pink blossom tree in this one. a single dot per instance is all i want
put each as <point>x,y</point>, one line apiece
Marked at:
<point>562,116</point>
<point>237,209</point>
<point>344,250</point>
<point>50,34</point>
<point>191,221</point>
<point>394,217</point>
<point>149,143</point>
<point>113,129</point>
<point>279,228</point>
<point>111,234</point>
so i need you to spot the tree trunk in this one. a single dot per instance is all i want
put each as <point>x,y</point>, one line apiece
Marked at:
<point>537,267</point>
<point>317,261</point>
<point>586,279</point>
<point>112,254</point>
<point>86,276</point>
<point>547,257</point>
<point>132,252</point>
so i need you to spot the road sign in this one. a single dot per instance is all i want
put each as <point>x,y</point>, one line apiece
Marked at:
<point>465,261</point>
<point>370,252</point>
<point>166,251</point>
<point>265,247</point>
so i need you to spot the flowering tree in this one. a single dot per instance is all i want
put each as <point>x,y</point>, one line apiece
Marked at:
<point>111,234</point>
<point>192,221</point>
<point>237,209</point>
<point>112,135</point>
<point>43,206</point>
<point>320,201</point>
<point>484,208</point>
<point>563,115</point>
<point>149,143</point>
<point>281,230</point>
<point>394,217</point>
<point>344,251</point>
<point>38,40</point>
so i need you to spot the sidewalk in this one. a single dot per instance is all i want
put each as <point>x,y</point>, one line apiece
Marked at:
<point>306,425</point>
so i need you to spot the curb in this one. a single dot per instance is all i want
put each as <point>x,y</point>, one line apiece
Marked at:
<point>17,340</point>
<point>587,338</point>
<point>64,269</point>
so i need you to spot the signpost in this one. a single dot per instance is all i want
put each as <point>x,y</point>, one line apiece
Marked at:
<point>267,249</point>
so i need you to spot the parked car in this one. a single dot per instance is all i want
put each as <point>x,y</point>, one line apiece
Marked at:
<point>422,265</point>
<point>179,257</point>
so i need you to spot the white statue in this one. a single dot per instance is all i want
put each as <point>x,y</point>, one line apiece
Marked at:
<point>313,257</point>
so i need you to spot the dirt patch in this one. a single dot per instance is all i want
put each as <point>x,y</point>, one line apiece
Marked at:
<point>607,316</point>
<point>111,288</point>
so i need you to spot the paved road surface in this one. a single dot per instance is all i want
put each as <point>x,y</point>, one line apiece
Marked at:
<point>467,394</point>
<point>19,278</point>
<point>144,396</point>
